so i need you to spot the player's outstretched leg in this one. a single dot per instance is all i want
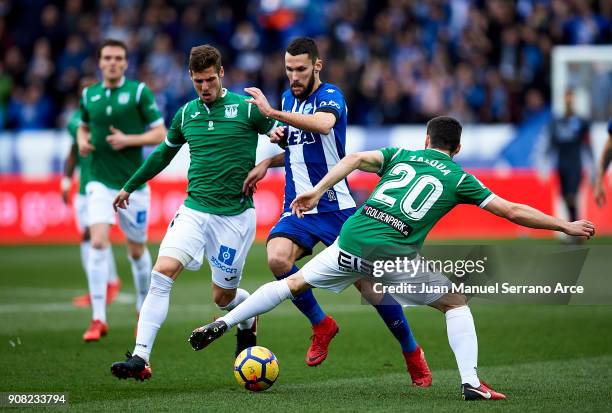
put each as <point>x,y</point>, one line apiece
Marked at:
<point>134,367</point>
<point>264,299</point>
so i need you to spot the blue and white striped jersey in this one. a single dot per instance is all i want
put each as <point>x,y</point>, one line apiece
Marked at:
<point>309,156</point>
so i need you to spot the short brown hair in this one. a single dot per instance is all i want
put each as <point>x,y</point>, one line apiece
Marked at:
<point>444,133</point>
<point>204,56</point>
<point>112,42</point>
<point>304,45</point>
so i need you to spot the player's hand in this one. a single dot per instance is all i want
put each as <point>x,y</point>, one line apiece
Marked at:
<point>278,134</point>
<point>65,185</point>
<point>122,200</point>
<point>254,176</point>
<point>580,228</point>
<point>305,202</point>
<point>599,194</point>
<point>85,146</point>
<point>117,139</point>
<point>259,100</point>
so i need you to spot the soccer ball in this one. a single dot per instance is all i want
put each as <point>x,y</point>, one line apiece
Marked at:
<point>256,368</point>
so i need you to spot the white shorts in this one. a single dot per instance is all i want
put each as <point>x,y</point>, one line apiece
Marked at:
<point>335,269</point>
<point>225,240</point>
<point>133,220</point>
<point>80,212</point>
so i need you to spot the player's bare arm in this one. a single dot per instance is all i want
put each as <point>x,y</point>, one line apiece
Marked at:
<point>369,161</point>
<point>118,140</point>
<point>606,158</point>
<point>154,164</point>
<point>319,122</point>
<point>69,167</point>
<point>530,217</point>
<point>84,140</point>
<point>259,172</point>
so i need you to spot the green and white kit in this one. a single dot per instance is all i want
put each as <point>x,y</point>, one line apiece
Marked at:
<point>217,220</point>
<point>416,189</point>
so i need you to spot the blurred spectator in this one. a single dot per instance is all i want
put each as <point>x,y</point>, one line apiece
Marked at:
<point>73,55</point>
<point>29,108</point>
<point>398,61</point>
<point>41,67</point>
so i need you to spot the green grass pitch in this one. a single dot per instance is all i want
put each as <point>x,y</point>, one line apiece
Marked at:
<point>545,358</point>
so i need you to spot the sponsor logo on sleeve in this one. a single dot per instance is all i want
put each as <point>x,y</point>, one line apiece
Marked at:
<point>329,103</point>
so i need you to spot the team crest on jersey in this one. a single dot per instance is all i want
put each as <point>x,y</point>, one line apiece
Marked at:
<point>123,98</point>
<point>231,111</point>
<point>211,125</point>
<point>307,108</point>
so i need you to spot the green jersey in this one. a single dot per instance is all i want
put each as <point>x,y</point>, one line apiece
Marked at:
<point>131,108</point>
<point>416,189</point>
<point>83,162</point>
<point>222,138</point>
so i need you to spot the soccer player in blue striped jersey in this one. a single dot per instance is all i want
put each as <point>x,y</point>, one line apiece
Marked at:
<point>313,133</point>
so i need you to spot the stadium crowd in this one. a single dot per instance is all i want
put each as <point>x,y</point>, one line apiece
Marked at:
<point>398,61</point>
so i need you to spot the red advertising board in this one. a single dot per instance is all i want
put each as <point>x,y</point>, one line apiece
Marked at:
<point>32,211</point>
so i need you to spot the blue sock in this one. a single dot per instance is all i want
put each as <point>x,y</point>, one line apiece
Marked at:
<point>306,302</point>
<point>393,316</point>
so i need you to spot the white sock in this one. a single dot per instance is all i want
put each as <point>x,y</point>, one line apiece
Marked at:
<point>241,295</point>
<point>152,314</point>
<point>462,339</point>
<point>261,301</point>
<point>85,245</point>
<point>97,276</point>
<point>112,268</point>
<point>141,271</point>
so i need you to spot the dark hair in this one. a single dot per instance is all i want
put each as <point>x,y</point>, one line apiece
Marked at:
<point>303,45</point>
<point>444,133</point>
<point>112,42</point>
<point>204,56</point>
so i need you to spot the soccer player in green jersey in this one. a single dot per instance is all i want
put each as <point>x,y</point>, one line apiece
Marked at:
<point>80,205</point>
<point>416,189</point>
<point>217,221</point>
<point>119,117</point>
